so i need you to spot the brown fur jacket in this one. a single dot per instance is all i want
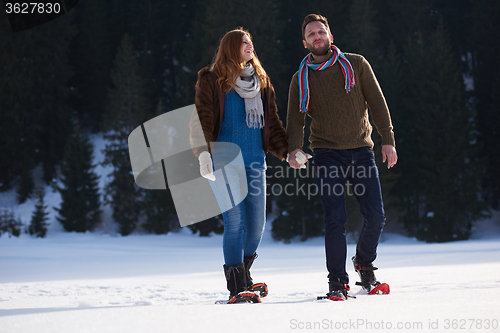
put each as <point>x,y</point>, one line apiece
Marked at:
<point>274,136</point>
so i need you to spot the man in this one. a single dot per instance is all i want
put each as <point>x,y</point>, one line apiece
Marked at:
<point>336,90</point>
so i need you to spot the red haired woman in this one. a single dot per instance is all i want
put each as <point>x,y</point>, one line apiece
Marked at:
<point>248,119</point>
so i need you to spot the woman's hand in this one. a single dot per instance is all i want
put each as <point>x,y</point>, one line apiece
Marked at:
<point>206,167</point>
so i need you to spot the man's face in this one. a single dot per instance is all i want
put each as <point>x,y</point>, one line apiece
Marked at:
<point>317,38</point>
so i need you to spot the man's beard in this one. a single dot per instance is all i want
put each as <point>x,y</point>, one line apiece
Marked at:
<point>318,51</point>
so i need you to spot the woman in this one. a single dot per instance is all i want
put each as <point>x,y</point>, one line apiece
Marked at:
<point>248,119</point>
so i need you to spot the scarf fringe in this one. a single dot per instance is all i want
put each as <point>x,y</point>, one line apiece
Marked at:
<point>254,119</point>
<point>250,91</point>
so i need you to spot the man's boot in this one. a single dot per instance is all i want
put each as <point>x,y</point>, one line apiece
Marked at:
<point>338,290</point>
<point>368,280</point>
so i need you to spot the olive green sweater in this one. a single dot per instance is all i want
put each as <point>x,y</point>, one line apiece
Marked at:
<point>339,120</point>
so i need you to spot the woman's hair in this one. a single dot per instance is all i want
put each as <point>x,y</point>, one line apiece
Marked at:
<point>227,62</point>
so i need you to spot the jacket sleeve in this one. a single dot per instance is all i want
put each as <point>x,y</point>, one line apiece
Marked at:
<point>204,104</point>
<point>295,120</point>
<point>278,145</point>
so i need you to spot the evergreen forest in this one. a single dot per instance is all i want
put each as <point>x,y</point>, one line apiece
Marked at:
<point>108,66</point>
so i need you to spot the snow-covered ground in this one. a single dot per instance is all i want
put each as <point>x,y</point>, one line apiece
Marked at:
<point>146,283</point>
<point>102,282</point>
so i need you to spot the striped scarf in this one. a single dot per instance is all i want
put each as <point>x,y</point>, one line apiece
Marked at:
<point>304,94</point>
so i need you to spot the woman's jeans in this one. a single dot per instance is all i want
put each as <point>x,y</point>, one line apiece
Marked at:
<point>356,167</point>
<point>244,223</point>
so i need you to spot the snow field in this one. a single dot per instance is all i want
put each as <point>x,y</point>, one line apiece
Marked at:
<point>168,283</point>
<point>99,282</point>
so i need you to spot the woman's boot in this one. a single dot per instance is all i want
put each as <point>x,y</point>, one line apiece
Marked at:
<point>237,285</point>
<point>260,287</point>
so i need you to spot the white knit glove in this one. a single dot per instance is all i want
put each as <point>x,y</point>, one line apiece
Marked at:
<point>300,158</point>
<point>206,167</point>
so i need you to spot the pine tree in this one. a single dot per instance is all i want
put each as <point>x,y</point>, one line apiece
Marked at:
<point>161,217</point>
<point>216,18</point>
<point>125,111</point>
<point>484,34</point>
<point>490,181</point>
<point>38,225</point>
<point>54,90</point>
<point>402,19</point>
<point>80,206</point>
<point>158,205</point>
<point>296,219</point>
<point>296,204</point>
<point>93,55</point>
<point>205,228</point>
<point>9,224</point>
<point>20,115</point>
<point>363,38</point>
<point>362,31</point>
<point>392,82</point>
<point>445,202</point>
<point>25,187</point>
<point>34,110</point>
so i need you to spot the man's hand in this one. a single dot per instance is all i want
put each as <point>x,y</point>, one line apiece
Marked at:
<point>297,159</point>
<point>389,154</point>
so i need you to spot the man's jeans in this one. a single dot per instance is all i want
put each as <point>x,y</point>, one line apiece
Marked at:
<point>244,223</point>
<point>356,167</point>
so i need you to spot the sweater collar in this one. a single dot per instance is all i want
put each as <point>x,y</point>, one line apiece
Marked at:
<point>314,61</point>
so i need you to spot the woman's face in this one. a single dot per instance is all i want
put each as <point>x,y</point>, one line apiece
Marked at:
<point>246,50</point>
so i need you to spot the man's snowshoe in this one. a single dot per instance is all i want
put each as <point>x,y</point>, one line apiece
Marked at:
<point>338,291</point>
<point>368,281</point>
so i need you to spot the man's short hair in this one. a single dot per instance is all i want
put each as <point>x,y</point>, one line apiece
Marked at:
<point>311,18</point>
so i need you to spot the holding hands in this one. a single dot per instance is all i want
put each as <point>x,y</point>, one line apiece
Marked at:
<point>297,159</point>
